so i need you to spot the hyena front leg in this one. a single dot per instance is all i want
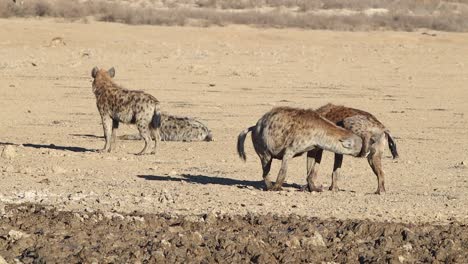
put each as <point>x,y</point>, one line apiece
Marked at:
<point>283,171</point>
<point>336,172</point>
<point>314,157</point>
<point>266,166</point>
<point>145,133</point>
<point>107,126</point>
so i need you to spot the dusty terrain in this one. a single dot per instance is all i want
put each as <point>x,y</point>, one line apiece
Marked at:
<point>228,77</point>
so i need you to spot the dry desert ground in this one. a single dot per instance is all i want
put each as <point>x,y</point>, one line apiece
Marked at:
<point>227,77</point>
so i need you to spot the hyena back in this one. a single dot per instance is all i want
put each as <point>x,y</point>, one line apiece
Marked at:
<point>175,128</point>
<point>116,104</point>
<point>284,133</point>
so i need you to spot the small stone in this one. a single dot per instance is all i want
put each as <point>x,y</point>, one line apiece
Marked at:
<point>14,235</point>
<point>401,259</point>
<point>45,181</point>
<point>173,173</point>
<point>315,241</point>
<point>461,165</point>
<point>210,217</point>
<point>159,256</point>
<point>9,169</point>
<point>408,247</point>
<point>58,170</point>
<point>2,260</point>
<point>9,152</point>
<point>165,244</point>
<point>26,171</point>
<point>197,238</point>
<point>194,218</point>
<point>293,243</point>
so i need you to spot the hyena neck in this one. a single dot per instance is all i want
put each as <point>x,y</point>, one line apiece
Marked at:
<point>330,141</point>
<point>324,110</point>
<point>100,85</point>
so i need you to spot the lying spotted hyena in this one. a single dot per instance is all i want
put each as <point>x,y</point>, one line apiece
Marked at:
<point>375,137</point>
<point>116,104</point>
<point>284,133</point>
<point>174,128</point>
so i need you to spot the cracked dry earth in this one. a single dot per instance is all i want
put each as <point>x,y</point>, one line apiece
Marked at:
<point>227,78</point>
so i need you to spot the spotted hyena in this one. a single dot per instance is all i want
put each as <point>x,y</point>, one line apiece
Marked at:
<point>175,128</point>
<point>374,134</point>
<point>284,133</point>
<point>117,104</point>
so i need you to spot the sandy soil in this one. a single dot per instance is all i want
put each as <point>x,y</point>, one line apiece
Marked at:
<point>228,77</point>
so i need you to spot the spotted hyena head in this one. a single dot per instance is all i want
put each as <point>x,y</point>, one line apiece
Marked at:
<point>101,73</point>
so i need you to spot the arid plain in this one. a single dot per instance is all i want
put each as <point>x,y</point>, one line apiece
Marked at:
<point>227,77</point>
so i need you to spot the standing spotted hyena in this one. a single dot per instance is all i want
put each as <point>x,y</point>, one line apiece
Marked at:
<point>284,133</point>
<point>374,134</point>
<point>175,128</point>
<point>116,104</point>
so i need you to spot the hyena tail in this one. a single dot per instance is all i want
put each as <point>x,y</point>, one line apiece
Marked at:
<point>241,140</point>
<point>209,137</point>
<point>156,121</point>
<point>392,145</point>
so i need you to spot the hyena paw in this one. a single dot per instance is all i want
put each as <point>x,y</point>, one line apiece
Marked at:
<point>276,188</point>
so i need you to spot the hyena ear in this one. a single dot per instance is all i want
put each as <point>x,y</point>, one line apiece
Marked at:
<point>111,72</point>
<point>347,143</point>
<point>94,72</point>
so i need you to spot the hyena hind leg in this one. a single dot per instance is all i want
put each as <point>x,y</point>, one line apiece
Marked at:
<point>107,127</point>
<point>157,138</point>
<point>266,166</point>
<point>115,126</point>
<point>146,135</point>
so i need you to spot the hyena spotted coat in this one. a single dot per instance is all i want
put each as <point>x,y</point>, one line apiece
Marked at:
<point>175,128</point>
<point>284,133</point>
<point>116,104</point>
<point>374,134</point>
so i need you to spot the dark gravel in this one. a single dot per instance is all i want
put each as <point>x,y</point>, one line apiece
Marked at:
<point>36,234</point>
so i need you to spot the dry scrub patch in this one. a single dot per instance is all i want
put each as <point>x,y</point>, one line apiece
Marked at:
<point>352,15</point>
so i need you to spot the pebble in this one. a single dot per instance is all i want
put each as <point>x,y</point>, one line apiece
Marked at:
<point>14,235</point>
<point>165,244</point>
<point>2,260</point>
<point>9,152</point>
<point>210,217</point>
<point>197,238</point>
<point>58,170</point>
<point>316,240</point>
<point>26,171</point>
<point>408,247</point>
<point>9,169</point>
<point>293,243</point>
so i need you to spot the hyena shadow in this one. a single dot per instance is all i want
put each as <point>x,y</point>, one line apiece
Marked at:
<point>51,146</point>
<point>55,147</point>
<point>203,179</point>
